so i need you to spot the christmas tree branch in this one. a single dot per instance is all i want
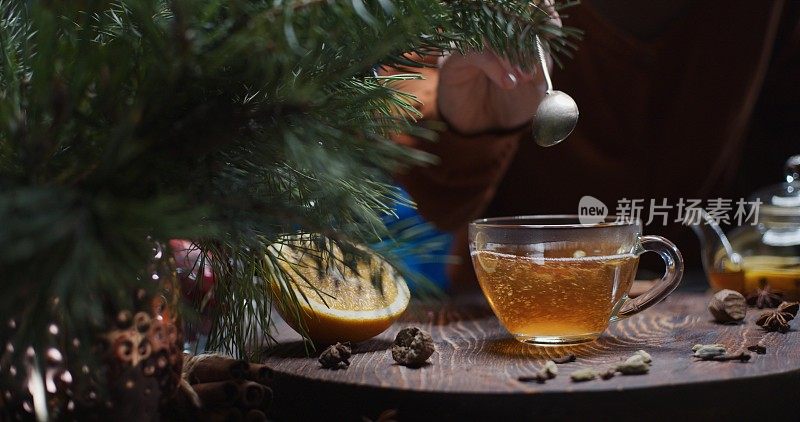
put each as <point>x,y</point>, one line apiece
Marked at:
<point>231,122</point>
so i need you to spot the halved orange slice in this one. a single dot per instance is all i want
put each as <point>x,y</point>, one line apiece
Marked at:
<point>338,302</point>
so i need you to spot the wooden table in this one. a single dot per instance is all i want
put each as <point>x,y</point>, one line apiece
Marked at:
<point>473,374</point>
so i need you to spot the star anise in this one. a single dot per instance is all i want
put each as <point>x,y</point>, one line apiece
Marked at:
<point>790,307</point>
<point>764,296</point>
<point>778,319</point>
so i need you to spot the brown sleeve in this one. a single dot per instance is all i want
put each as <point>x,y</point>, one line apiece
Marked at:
<point>457,189</point>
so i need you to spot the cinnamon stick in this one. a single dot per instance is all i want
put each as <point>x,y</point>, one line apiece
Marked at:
<point>250,394</point>
<point>142,322</point>
<point>226,415</point>
<point>259,373</point>
<point>122,347</point>
<point>144,349</point>
<point>217,394</point>
<point>186,397</point>
<point>255,415</point>
<point>211,368</point>
<point>267,400</point>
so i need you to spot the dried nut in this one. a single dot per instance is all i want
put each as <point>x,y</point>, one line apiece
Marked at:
<point>336,356</point>
<point>707,351</point>
<point>728,306</point>
<point>585,374</point>
<point>646,356</point>
<point>412,347</point>
<point>697,347</point>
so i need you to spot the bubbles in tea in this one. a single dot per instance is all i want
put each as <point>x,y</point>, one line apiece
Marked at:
<point>568,297</point>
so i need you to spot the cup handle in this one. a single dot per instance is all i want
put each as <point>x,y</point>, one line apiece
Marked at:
<point>669,281</point>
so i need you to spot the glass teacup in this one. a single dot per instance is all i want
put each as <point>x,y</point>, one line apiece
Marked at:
<point>553,281</point>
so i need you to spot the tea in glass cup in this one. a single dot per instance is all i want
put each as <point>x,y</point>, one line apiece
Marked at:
<point>552,280</point>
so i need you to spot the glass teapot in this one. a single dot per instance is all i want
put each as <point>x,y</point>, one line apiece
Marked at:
<point>764,250</point>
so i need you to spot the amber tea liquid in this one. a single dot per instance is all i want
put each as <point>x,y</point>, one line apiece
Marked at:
<point>565,298</point>
<point>780,273</point>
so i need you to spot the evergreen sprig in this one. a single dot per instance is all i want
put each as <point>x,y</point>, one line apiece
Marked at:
<point>231,122</point>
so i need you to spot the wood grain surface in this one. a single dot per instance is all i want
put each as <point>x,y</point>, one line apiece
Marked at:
<point>473,374</point>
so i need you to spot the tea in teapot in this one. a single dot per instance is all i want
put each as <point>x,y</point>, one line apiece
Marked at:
<point>766,253</point>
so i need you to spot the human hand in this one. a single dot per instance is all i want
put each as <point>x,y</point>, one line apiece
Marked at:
<point>481,91</point>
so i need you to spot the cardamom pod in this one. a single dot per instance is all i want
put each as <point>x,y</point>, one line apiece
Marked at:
<point>635,365</point>
<point>709,350</point>
<point>646,356</point>
<point>697,347</point>
<point>607,373</point>
<point>550,369</point>
<point>585,374</point>
<point>635,359</point>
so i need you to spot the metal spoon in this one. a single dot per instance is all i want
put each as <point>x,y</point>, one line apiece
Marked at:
<point>557,114</point>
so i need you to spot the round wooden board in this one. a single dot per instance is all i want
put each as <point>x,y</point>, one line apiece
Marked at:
<point>473,374</point>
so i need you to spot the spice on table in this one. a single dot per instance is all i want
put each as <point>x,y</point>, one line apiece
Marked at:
<point>778,319</point>
<point>212,367</point>
<point>708,351</point>
<point>790,307</point>
<point>637,358</point>
<point>231,387</point>
<point>564,359</point>
<point>719,353</point>
<point>259,373</point>
<point>741,356</point>
<point>728,306</point>
<point>758,349</point>
<point>217,393</point>
<point>585,374</point>
<point>697,347</point>
<point>607,373</point>
<point>634,365</point>
<point>548,371</point>
<point>645,356</point>
<point>764,296</point>
<point>255,415</point>
<point>412,347</point>
<point>336,356</point>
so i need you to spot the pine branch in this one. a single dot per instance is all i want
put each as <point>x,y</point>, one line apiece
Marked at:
<point>232,122</point>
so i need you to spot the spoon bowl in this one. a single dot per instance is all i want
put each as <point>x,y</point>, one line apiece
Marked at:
<point>557,113</point>
<point>555,118</point>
